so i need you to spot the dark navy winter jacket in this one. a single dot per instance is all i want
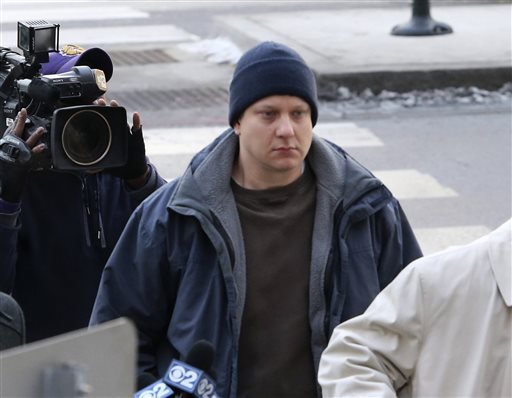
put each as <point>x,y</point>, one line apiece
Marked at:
<point>178,270</point>
<point>54,251</point>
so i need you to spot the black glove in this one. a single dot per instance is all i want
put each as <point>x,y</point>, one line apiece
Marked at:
<point>136,164</point>
<point>15,160</point>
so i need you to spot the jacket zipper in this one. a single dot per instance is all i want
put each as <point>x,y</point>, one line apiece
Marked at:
<point>87,214</point>
<point>86,209</point>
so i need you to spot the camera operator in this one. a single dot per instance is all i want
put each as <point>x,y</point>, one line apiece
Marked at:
<point>57,228</point>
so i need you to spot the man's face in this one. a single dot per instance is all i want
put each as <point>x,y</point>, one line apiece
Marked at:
<point>275,136</point>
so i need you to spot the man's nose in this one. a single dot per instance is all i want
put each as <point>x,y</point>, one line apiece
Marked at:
<point>285,127</point>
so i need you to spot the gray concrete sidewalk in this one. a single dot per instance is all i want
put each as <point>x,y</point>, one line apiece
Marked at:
<point>346,46</point>
<point>354,47</point>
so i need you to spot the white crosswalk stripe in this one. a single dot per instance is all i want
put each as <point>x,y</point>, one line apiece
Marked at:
<point>126,34</point>
<point>348,135</point>
<point>435,239</point>
<point>180,141</point>
<point>69,13</point>
<point>412,184</point>
<point>112,35</point>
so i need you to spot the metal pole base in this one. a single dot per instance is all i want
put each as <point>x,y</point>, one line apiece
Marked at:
<point>421,26</point>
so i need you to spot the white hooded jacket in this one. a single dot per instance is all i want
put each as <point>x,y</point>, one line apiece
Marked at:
<point>442,328</point>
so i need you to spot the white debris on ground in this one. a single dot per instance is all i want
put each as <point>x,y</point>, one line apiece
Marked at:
<point>219,50</point>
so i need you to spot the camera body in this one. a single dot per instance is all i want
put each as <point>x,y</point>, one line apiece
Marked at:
<point>79,136</point>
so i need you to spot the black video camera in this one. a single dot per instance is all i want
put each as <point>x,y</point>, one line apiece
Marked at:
<point>79,135</point>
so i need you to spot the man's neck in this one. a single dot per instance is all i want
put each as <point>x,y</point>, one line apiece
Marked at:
<point>261,181</point>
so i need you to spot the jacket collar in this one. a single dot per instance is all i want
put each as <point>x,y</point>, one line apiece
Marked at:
<point>500,243</point>
<point>208,175</point>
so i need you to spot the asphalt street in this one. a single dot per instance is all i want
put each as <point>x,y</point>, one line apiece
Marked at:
<point>450,165</point>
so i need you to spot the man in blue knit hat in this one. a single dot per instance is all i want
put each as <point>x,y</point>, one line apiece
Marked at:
<point>269,240</point>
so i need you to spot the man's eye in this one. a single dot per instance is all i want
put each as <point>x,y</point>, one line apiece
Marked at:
<point>267,114</point>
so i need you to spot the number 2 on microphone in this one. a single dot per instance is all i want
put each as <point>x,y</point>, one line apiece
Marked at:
<point>180,375</point>
<point>159,390</point>
<point>205,389</point>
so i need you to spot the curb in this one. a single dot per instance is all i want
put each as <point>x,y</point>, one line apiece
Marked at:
<point>403,81</point>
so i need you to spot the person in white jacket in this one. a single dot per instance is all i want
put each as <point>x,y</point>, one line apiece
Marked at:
<point>442,328</point>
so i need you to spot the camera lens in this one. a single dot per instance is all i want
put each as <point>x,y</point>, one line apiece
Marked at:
<point>86,137</point>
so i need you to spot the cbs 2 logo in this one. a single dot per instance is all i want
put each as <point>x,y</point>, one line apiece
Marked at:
<point>186,378</point>
<point>206,389</point>
<point>159,390</point>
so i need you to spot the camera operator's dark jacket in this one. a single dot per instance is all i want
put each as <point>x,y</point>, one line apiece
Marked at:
<point>53,257</point>
<point>178,270</point>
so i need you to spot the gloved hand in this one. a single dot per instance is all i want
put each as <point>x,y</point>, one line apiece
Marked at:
<point>15,158</point>
<point>136,166</point>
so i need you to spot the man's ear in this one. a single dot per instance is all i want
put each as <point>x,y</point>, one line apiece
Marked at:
<point>236,127</point>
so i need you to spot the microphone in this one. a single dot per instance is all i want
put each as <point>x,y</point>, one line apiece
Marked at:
<point>12,323</point>
<point>150,387</point>
<point>190,378</point>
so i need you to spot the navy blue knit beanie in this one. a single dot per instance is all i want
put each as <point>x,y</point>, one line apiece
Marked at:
<point>270,69</point>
